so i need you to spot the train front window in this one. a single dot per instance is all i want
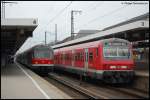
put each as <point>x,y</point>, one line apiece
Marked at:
<point>41,53</point>
<point>116,53</point>
<point>123,52</point>
<point>110,52</point>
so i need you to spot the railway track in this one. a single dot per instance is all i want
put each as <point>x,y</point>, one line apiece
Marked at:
<point>97,92</point>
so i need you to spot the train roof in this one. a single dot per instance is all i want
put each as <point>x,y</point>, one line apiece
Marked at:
<point>114,39</point>
<point>70,44</point>
<point>91,44</point>
<point>41,45</point>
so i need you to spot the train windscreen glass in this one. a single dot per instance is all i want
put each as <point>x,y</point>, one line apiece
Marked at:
<point>116,51</point>
<point>42,53</point>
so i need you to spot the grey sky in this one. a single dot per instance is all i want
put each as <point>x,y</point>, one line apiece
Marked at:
<point>95,15</point>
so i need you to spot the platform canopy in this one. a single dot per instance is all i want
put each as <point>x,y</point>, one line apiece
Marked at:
<point>14,32</point>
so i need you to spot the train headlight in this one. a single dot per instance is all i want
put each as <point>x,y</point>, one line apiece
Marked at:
<point>112,67</point>
<point>124,66</point>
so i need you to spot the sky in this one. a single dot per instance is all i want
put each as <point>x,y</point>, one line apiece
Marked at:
<point>95,15</point>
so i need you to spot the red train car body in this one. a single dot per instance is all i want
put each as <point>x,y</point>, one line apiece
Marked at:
<point>109,60</point>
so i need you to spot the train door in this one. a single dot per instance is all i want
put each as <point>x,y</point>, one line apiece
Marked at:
<point>86,60</point>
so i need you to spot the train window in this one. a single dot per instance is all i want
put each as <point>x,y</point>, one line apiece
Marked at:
<point>111,52</point>
<point>66,56</point>
<point>61,57</point>
<point>78,56</point>
<point>96,51</point>
<point>123,52</point>
<point>42,53</point>
<point>91,56</point>
<point>81,56</point>
<point>116,52</point>
<point>69,57</point>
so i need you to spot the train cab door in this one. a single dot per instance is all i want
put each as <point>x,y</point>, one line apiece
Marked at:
<point>86,60</point>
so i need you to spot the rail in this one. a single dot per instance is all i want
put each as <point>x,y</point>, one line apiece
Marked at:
<point>98,92</point>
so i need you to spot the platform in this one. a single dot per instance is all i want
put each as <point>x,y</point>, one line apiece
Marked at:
<point>141,81</point>
<point>18,82</point>
<point>144,73</point>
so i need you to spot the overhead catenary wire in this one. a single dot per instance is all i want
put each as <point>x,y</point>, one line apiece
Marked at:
<point>64,10</point>
<point>90,9</point>
<point>57,15</point>
<point>107,14</point>
<point>60,12</point>
<point>97,5</point>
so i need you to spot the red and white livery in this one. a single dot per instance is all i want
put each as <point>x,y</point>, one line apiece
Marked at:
<point>108,59</point>
<point>39,57</point>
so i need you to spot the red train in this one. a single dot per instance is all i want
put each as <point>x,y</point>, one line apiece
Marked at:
<point>39,57</point>
<point>109,60</point>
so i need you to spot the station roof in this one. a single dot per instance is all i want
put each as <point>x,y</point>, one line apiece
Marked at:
<point>14,32</point>
<point>128,28</point>
<point>141,17</point>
